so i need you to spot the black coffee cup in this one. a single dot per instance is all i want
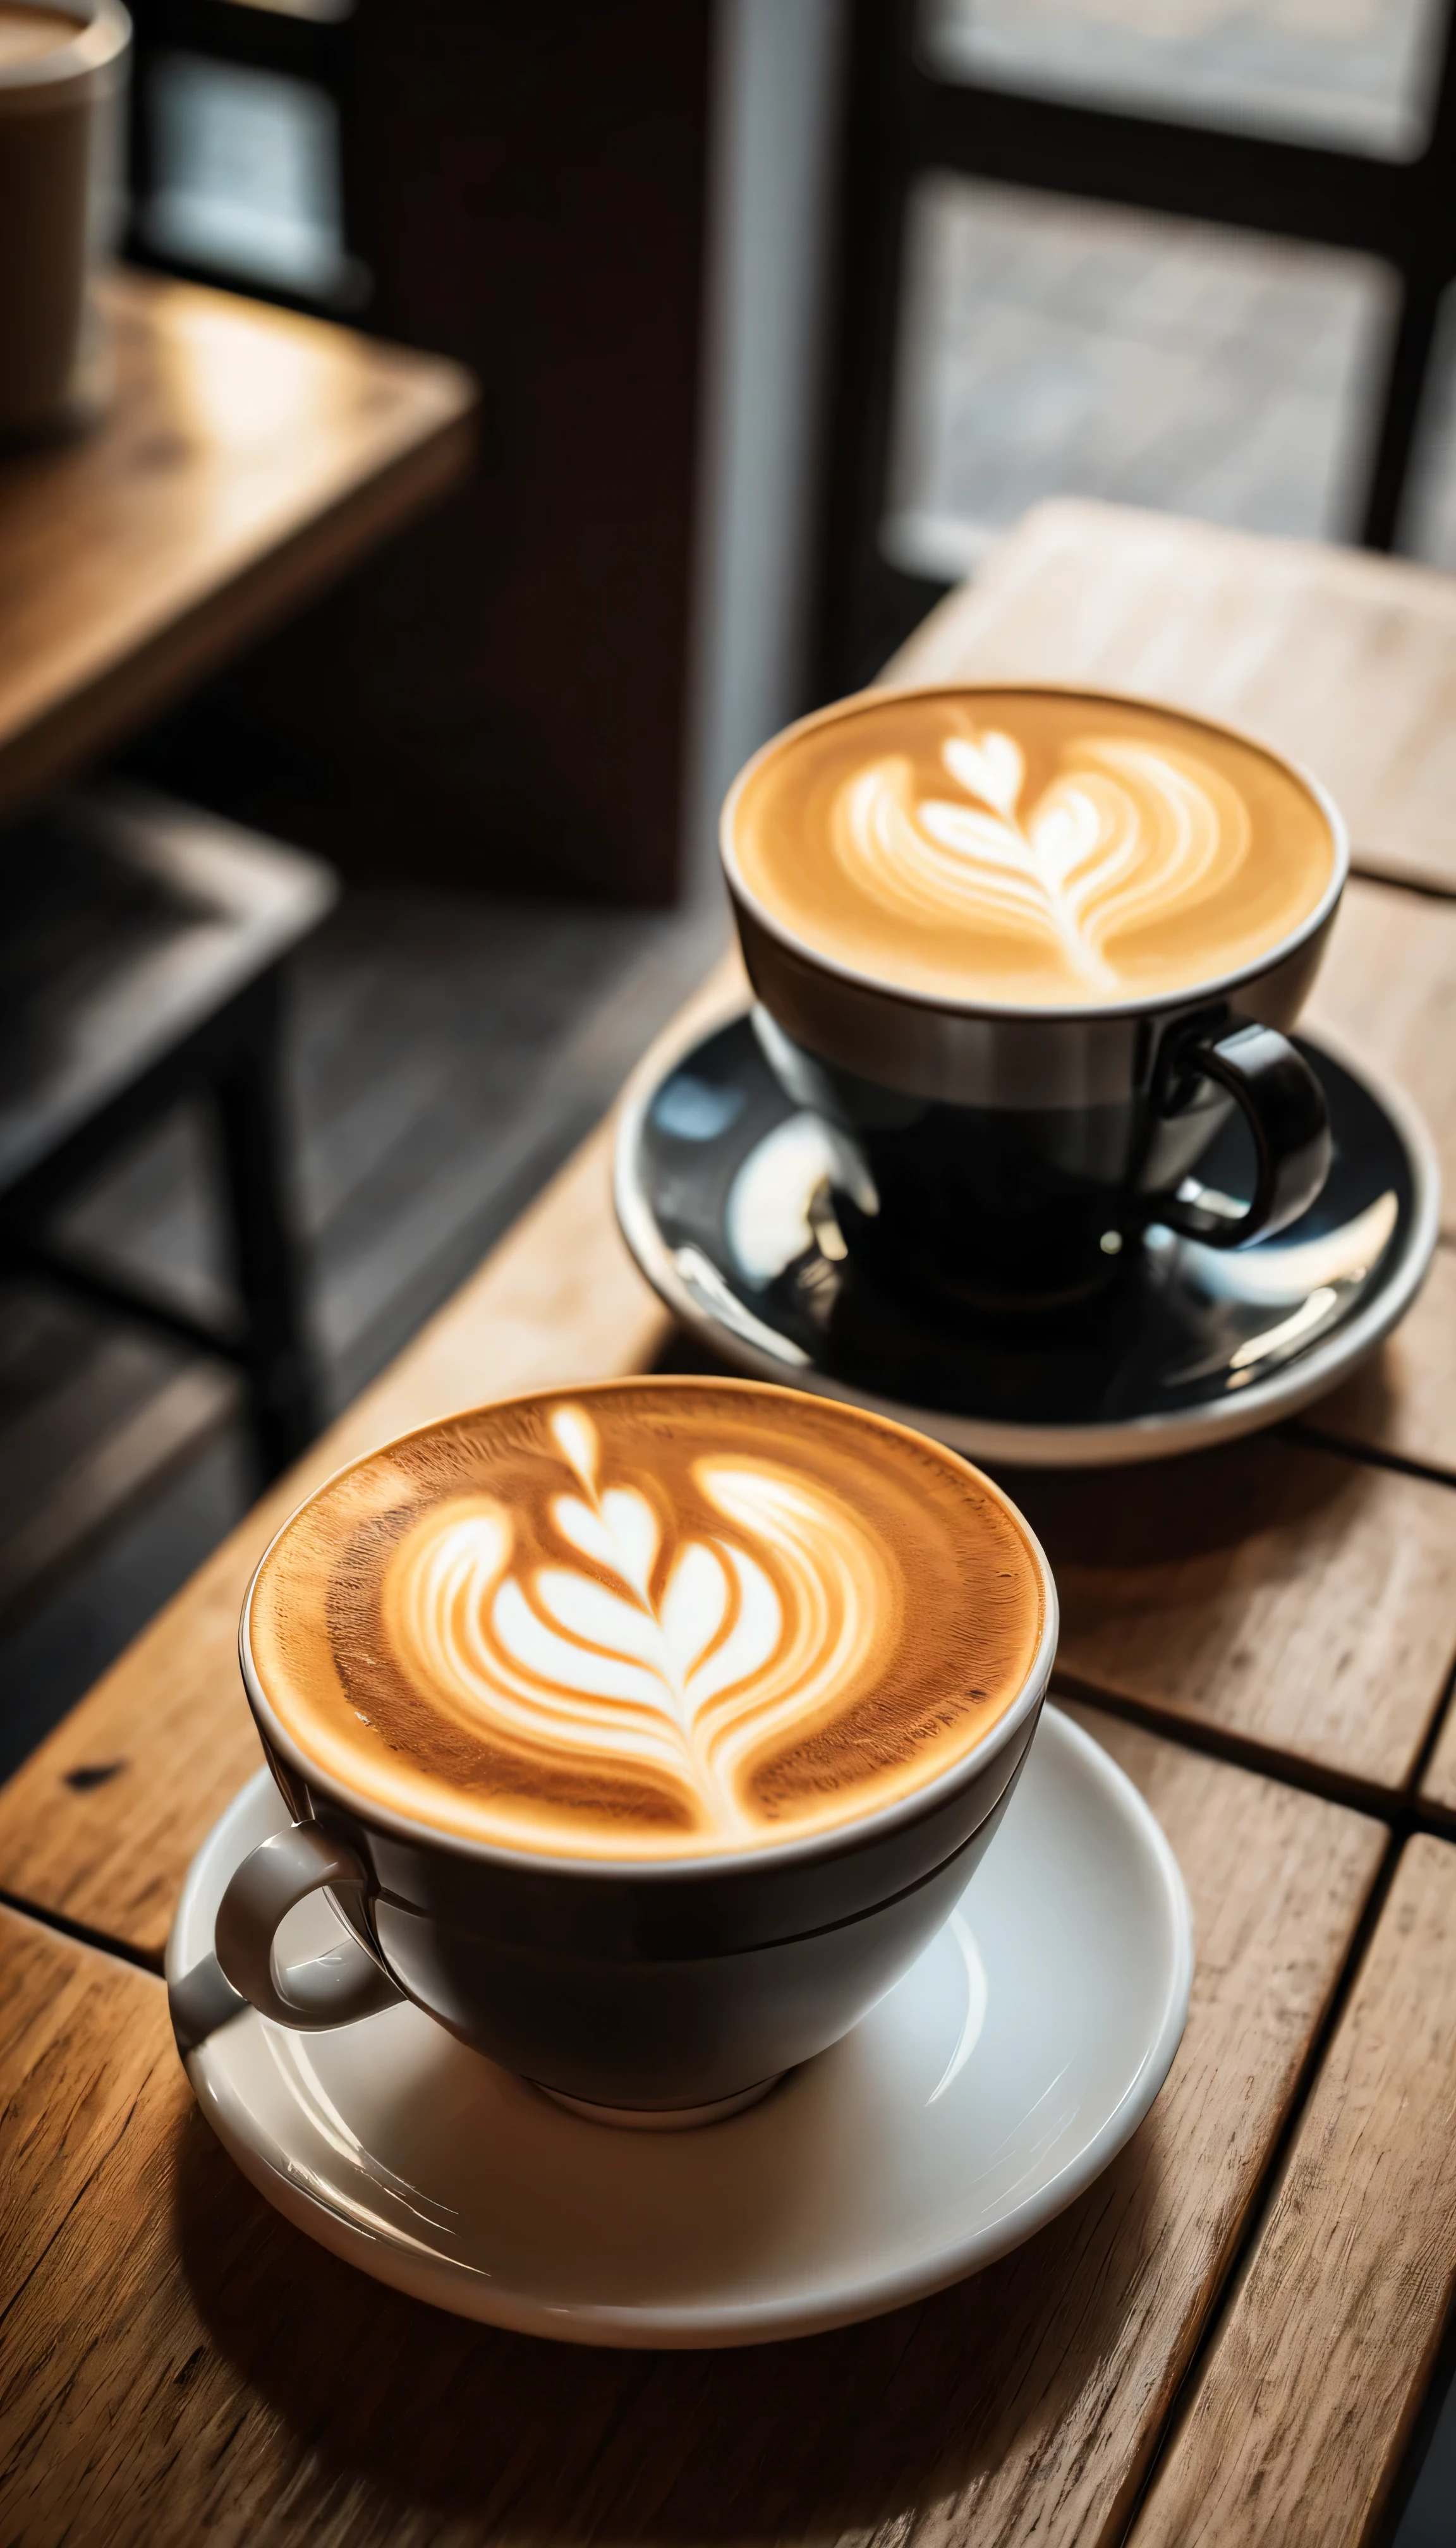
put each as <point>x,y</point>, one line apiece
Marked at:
<point>671,1991</point>
<point>1013,1155</point>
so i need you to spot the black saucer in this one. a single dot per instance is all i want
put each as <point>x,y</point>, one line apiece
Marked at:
<point>722,1192</point>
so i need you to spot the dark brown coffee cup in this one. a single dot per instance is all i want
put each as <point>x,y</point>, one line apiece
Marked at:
<point>643,1987</point>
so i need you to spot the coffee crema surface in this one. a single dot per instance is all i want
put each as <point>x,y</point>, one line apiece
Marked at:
<point>652,1619</point>
<point>1023,846</point>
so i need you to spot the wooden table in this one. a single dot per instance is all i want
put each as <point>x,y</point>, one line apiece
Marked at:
<point>1225,2339</point>
<point>249,457</point>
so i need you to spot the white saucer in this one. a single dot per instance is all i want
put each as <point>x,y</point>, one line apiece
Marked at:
<point>985,2091</point>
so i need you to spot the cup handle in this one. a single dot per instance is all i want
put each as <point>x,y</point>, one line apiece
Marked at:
<point>331,1989</point>
<point>1283,1104</point>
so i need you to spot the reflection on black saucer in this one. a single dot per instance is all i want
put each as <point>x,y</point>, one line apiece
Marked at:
<point>742,1211</point>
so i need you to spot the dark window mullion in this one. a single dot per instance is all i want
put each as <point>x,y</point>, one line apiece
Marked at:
<point>901,122</point>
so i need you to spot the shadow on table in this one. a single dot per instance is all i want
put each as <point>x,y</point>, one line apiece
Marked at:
<point>1162,1512</point>
<point>354,2386</point>
<point>1202,1507</point>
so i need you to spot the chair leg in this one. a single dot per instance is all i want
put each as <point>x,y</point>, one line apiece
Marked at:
<point>282,1383</point>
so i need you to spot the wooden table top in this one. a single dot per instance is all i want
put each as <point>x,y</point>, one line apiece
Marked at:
<point>248,457</point>
<point>177,2356</point>
<point>1296,2427</point>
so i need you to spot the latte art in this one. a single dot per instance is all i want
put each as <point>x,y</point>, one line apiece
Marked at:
<point>647,1619</point>
<point>1020,844</point>
<point>681,1660</point>
<point>1122,835</point>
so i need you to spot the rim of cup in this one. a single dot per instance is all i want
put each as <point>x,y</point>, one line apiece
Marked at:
<point>952,1004</point>
<point>844,1837</point>
<point>102,33</point>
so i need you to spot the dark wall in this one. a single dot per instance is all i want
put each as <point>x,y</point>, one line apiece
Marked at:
<point>502,695</point>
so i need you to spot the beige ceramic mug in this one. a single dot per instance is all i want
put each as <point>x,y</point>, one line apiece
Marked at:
<point>62,97</point>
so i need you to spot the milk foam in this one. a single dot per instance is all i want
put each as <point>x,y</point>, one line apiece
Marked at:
<point>1022,845</point>
<point>749,1630</point>
<point>641,1624</point>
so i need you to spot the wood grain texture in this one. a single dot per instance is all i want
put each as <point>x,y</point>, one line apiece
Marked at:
<point>1344,661</point>
<point>1388,990</point>
<point>248,456</point>
<point>1403,1398</point>
<point>180,2363</point>
<point>559,1299</point>
<point>1280,1595</point>
<point>1296,2427</point>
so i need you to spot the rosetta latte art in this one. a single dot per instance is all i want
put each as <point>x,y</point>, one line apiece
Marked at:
<point>1126,836</point>
<point>646,1619</point>
<point>676,1656</point>
<point>1010,845</point>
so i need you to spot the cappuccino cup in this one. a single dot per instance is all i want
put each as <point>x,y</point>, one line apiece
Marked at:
<point>1031,949</point>
<point>642,1734</point>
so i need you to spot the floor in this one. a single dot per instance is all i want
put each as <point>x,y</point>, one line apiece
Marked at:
<point>1429,2516</point>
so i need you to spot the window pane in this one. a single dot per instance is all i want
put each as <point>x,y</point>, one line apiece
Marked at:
<point>1429,515</point>
<point>1050,346</point>
<point>246,174</point>
<point>1354,74</point>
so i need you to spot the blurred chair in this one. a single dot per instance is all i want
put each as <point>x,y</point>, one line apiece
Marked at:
<point>142,968</point>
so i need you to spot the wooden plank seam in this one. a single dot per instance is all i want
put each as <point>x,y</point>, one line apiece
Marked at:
<point>1258,2216</point>
<point>81,1933</point>
<point>1304,1429</point>
<point>1403,1810</point>
<point>1303,2429</point>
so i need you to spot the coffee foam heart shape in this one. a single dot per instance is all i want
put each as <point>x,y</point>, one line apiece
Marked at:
<point>1028,846</point>
<point>652,1619</point>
